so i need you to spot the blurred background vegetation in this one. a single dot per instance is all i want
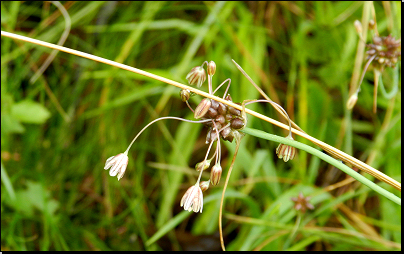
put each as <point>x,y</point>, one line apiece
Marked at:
<point>57,132</point>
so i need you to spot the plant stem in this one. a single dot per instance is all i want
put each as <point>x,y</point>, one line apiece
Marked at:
<point>326,158</point>
<point>330,149</point>
<point>224,190</point>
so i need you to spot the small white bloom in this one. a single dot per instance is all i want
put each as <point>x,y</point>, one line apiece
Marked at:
<point>117,164</point>
<point>193,199</point>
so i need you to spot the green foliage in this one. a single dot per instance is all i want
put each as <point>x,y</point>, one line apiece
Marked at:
<point>58,132</point>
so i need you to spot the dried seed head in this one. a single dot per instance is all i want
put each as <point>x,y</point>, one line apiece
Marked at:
<point>196,76</point>
<point>204,185</point>
<point>386,51</point>
<point>286,152</point>
<point>185,94</point>
<point>211,68</point>
<point>302,203</point>
<point>215,174</point>
<point>202,108</point>
<point>193,199</point>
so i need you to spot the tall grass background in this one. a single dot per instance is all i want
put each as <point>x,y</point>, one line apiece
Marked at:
<point>57,132</point>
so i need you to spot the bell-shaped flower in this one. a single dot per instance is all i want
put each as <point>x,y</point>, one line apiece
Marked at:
<point>196,76</point>
<point>286,152</point>
<point>193,199</point>
<point>117,164</point>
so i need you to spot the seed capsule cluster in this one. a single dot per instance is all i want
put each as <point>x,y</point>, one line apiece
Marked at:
<point>226,120</point>
<point>385,50</point>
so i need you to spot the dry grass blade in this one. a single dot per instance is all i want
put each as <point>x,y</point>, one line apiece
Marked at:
<point>331,150</point>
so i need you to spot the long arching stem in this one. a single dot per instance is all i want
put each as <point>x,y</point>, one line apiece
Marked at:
<point>162,118</point>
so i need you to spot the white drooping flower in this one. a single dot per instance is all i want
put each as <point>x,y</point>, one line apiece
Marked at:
<point>117,164</point>
<point>193,199</point>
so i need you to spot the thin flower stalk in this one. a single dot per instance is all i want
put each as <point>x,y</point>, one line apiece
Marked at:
<point>162,118</point>
<point>283,151</point>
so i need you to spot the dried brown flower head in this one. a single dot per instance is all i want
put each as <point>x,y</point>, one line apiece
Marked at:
<point>386,51</point>
<point>302,203</point>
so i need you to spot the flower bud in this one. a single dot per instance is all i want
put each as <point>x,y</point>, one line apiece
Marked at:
<point>352,101</point>
<point>358,27</point>
<point>202,165</point>
<point>196,76</point>
<point>185,94</point>
<point>372,24</point>
<point>204,185</point>
<point>202,108</point>
<point>211,68</point>
<point>215,174</point>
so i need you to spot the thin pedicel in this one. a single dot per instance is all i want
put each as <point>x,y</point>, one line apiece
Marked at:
<point>119,162</point>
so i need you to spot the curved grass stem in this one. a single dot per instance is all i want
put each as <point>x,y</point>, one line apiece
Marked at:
<point>326,158</point>
<point>330,149</point>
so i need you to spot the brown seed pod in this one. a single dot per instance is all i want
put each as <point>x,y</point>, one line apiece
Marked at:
<point>234,111</point>
<point>208,136</point>
<point>218,126</point>
<point>213,136</point>
<point>220,119</point>
<point>222,109</point>
<point>236,123</point>
<point>212,113</point>
<point>202,108</point>
<point>225,132</point>
<point>229,137</point>
<point>228,117</point>
<point>215,104</point>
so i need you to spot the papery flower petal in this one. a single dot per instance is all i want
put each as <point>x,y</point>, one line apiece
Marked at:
<point>193,199</point>
<point>118,164</point>
<point>286,152</point>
